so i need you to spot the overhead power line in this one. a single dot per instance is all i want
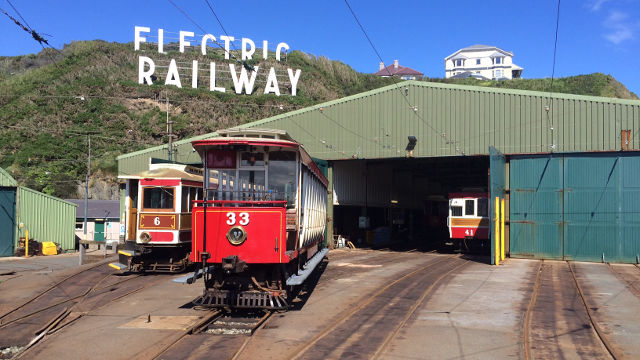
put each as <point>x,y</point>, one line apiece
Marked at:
<point>443,135</point>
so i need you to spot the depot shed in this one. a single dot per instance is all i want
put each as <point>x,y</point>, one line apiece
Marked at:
<point>566,165</point>
<point>46,217</point>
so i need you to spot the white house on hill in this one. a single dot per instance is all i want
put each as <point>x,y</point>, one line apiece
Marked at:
<point>481,62</point>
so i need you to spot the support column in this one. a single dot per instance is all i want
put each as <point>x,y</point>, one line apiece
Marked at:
<point>329,231</point>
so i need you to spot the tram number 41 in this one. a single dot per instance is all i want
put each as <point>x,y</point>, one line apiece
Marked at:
<point>468,232</point>
<point>231,218</point>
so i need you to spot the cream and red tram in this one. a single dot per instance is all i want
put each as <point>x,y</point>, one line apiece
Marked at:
<point>158,218</point>
<point>261,229</point>
<point>468,219</point>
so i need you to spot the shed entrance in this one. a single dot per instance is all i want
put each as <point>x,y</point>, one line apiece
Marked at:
<point>576,207</point>
<point>402,200</point>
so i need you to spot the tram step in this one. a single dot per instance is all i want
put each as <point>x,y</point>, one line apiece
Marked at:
<point>118,266</point>
<point>307,268</point>
<point>129,253</point>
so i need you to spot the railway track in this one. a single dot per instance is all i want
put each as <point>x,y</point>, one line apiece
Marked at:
<point>559,322</point>
<point>64,303</point>
<point>368,328</point>
<point>214,325</point>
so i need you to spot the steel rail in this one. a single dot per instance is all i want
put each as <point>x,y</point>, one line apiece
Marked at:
<point>83,295</point>
<point>53,286</point>
<point>527,314</point>
<point>412,310</point>
<point>342,317</point>
<point>605,341</point>
<point>190,330</point>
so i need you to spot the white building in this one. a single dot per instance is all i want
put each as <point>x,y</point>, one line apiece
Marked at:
<point>481,62</point>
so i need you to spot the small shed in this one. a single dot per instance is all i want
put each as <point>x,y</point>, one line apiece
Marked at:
<point>47,218</point>
<point>103,219</point>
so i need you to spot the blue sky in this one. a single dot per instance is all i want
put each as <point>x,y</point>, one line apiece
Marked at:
<point>594,35</point>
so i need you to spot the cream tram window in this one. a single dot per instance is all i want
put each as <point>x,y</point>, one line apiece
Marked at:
<point>469,207</point>
<point>158,198</point>
<point>483,207</point>
<point>456,210</point>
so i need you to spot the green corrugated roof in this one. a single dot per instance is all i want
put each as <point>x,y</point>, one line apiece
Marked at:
<point>6,179</point>
<point>375,124</point>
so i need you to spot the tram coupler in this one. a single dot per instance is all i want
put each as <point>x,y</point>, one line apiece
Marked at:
<point>233,264</point>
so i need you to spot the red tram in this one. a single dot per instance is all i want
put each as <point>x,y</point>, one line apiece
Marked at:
<point>261,229</point>
<point>468,218</point>
<point>157,218</point>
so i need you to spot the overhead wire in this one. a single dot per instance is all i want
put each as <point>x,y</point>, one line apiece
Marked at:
<point>443,135</point>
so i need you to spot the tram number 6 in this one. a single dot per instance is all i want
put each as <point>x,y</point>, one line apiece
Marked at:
<point>156,221</point>
<point>231,218</point>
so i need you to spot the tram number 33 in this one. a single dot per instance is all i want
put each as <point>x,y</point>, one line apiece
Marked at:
<point>231,218</point>
<point>468,232</point>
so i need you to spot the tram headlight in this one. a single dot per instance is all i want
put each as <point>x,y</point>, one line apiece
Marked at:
<point>145,237</point>
<point>236,235</point>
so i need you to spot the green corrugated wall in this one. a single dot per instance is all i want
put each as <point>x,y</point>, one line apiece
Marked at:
<point>47,218</point>
<point>448,120</point>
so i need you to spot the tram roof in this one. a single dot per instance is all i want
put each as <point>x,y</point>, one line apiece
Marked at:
<point>168,171</point>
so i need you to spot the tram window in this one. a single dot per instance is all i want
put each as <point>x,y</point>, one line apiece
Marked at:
<point>469,207</point>
<point>282,176</point>
<point>483,207</point>
<point>456,211</point>
<point>251,185</point>
<point>252,159</point>
<point>227,183</point>
<point>185,199</point>
<point>157,198</point>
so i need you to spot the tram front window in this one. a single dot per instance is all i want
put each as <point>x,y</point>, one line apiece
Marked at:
<point>251,185</point>
<point>157,198</point>
<point>282,176</point>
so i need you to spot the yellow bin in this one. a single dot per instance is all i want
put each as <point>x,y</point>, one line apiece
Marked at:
<point>49,248</point>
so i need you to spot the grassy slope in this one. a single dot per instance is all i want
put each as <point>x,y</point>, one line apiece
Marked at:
<point>44,123</point>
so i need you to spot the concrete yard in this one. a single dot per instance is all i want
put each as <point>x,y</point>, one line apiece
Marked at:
<point>365,304</point>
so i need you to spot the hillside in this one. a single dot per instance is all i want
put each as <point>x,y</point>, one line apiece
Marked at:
<point>47,110</point>
<point>593,84</point>
<point>52,102</point>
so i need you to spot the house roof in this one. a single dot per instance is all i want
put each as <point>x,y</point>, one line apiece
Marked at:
<point>459,56</point>
<point>480,48</point>
<point>391,70</point>
<point>97,209</point>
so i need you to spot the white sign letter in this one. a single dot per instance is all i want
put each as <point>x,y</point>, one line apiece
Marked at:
<point>144,77</point>
<point>226,40</point>
<point>139,39</point>
<point>243,81</point>
<point>194,75</point>
<point>161,41</point>
<point>265,49</point>
<point>173,78</point>
<point>212,79</point>
<point>279,48</point>
<point>246,54</point>
<point>294,80</point>
<point>204,42</point>
<point>272,83</point>
<point>183,42</point>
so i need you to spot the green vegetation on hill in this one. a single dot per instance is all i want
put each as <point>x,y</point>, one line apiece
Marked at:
<point>49,110</point>
<point>593,84</point>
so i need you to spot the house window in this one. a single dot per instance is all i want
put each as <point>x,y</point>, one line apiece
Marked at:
<point>497,61</point>
<point>477,61</point>
<point>498,74</point>
<point>458,62</point>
